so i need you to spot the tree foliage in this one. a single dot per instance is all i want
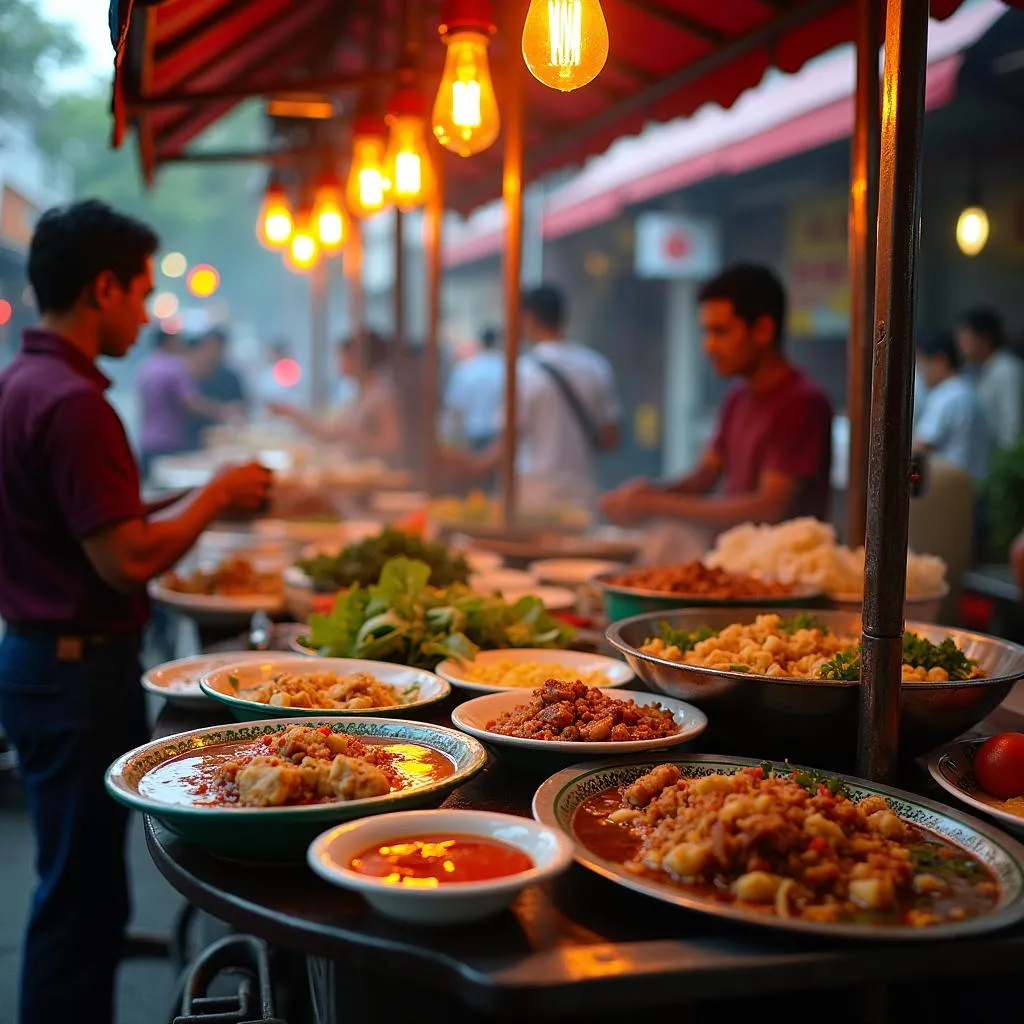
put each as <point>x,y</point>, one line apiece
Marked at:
<point>30,46</point>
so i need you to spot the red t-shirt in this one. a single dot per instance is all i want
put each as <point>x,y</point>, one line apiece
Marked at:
<point>787,430</point>
<point>66,472</point>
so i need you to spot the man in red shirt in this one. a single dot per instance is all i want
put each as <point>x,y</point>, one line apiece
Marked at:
<point>772,449</point>
<point>77,547</point>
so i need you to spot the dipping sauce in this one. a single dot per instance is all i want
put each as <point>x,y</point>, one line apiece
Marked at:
<point>425,862</point>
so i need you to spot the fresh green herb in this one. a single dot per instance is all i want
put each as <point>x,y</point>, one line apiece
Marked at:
<point>767,768</point>
<point>935,860</point>
<point>812,781</point>
<point>922,653</point>
<point>805,620</point>
<point>845,665</point>
<point>684,639</point>
<point>234,681</point>
<point>402,618</point>
<point>739,668</point>
<point>411,694</point>
<point>364,562</point>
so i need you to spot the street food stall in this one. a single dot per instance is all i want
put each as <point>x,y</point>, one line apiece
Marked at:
<point>581,945</point>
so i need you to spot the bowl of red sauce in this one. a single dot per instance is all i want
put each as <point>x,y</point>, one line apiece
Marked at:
<point>440,867</point>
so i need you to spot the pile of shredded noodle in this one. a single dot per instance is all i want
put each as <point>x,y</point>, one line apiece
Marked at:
<point>806,551</point>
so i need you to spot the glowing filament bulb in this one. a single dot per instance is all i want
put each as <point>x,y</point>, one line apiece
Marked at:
<point>565,42</point>
<point>408,166</point>
<point>465,117</point>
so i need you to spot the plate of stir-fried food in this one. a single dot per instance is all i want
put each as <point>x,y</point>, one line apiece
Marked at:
<point>291,686</point>
<point>787,847</point>
<point>234,588</point>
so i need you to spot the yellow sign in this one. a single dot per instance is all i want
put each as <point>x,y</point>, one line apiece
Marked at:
<point>817,274</point>
<point>647,427</point>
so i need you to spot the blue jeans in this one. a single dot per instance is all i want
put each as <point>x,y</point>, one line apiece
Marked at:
<point>68,720</point>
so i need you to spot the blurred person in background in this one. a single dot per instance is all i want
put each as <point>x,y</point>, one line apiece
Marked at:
<point>567,407</point>
<point>370,425</point>
<point>215,380</point>
<point>473,397</point>
<point>168,395</point>
<point>77,547</point>
<point>772,446</point>
<point>952,425</point>
<point>998,373</point>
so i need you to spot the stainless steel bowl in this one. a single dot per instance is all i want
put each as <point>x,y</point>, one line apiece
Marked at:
<point>771,716</point>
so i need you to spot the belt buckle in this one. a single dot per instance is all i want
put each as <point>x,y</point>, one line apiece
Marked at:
<point>70,648</point>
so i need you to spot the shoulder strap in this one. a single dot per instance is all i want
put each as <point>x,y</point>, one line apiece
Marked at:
<point>580,414</point>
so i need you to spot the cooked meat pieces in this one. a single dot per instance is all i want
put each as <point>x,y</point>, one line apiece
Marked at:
<point>575,712</point>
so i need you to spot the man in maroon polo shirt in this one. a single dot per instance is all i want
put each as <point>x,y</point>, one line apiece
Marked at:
<point>772,449</point>
<point>77,546</point>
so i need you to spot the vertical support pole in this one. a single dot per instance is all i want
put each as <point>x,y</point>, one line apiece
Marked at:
<point>399,297</point>
<point>319,377</point>
<point>353,263</point>
<point>863,212</point>
<point>432,368</point>
<point>512,191</point>
<point>892,386</point>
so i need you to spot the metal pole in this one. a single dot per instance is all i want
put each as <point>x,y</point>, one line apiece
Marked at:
<point>399,298</point>
<point>318,285</point>
<point>892,386</point>
<point>512,191</point>
<point>863,213</point>
<point>353,264</point>
<point>432,367</point>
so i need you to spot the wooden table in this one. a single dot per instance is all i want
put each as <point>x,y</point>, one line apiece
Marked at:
<point>581,948</point>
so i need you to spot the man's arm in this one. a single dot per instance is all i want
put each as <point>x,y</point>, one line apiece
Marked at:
<point>153,507</point>
<point>701,480</point>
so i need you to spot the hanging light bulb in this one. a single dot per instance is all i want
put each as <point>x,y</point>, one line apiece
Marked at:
<point>465,116</point>
<point>303,252</point>
<point>972,230</point>
<point>367,189</point>
<point>274,226</point>
<point>408,166</point>
<point>565,42</point>
<point>329,219</point>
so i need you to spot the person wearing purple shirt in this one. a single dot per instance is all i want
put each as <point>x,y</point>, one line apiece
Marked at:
<point>77,547</point>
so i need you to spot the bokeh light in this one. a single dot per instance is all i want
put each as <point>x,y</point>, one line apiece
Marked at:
<point>165,304</point>
<point>203,280</point>
<point>287,373</point>
<point>173,264</point>
<point>6,312</point>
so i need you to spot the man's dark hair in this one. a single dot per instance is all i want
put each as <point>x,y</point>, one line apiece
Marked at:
<point>986,323</point>
<point>547,304</point>
<point>939,344</point>
<point>73,245</point>
<point>490,338</point>
<point>754,291</point>
<point>376,348</point>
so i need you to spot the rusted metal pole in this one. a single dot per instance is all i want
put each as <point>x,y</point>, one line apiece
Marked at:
<point>892,386</point>
<point>512,191</point>
<point>863,213</point>
<point>432,367</point>
<point>318,285</point>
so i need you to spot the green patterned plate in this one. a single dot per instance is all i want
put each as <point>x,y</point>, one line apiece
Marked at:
<point>281,833</point>
<point>557,799</point>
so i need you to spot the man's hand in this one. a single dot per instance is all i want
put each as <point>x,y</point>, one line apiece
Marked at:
<point>243,488</point>
<point>1017,560</point>
<point>279,408</point>
<point>626,505</point>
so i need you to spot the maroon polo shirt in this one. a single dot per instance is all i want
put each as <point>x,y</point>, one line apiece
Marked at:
<point>787,430</point>
<point>66,472</point>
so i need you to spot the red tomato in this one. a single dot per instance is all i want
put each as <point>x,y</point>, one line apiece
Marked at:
<point>999,765</point>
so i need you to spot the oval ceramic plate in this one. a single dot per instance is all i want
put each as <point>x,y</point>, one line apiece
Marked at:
<point>617,672</point>
<point>554,599</point>
<point>177,681</point>
<point>413,688</point>
<point>952,768</point>
<point>256,833</point>
<point>572,572</point>
<point>215,607</point>
<point>473,716</point>
<point>556,801</point>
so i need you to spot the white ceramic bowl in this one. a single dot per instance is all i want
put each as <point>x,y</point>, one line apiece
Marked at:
<point>554,599</point>
<point>920,607</point>
<point>481,562</point>
<point>473,716</point>
<point>177,681</point>
<point>457,902</point>
<point>571,572</point>
<point>616,671</point>
<point>414,687</point>
<point>952,768</point>
<point>501,580</point>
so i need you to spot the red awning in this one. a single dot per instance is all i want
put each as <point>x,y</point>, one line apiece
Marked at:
<point>774,121</point>
<point>668,58</point>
